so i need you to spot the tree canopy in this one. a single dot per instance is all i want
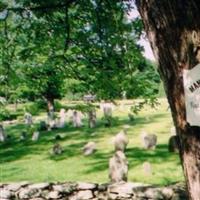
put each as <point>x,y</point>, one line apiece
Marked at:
<point>48,48</point>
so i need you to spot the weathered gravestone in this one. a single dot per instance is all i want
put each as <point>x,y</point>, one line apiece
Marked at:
<point>89,148</point>
<point>92,118</point>
<point>57,149</point>
<point>118,167</point>
<point>173,144</point>
<point>107,108</point>
<point>62,118</point>
<point>35,136</point>
<point>149,141</point>
<point>28,119</point>
<point>2,134</point>
<point>121,140</point>
<point>77,119</point>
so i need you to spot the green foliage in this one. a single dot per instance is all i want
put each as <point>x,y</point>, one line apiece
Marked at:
<point>32,108</point>
<point>82,47</point>
<point>139,105</point>
<point>5,114</point>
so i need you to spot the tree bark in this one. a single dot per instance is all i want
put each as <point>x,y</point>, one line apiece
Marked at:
<point>170,25</point>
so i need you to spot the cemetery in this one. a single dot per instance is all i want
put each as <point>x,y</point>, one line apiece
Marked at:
<point>99,100</point>
<point>88,154</point>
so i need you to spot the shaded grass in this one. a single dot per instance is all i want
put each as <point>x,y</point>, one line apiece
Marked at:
<point>32,161</point>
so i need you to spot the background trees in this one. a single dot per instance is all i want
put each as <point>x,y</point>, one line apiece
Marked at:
<point>56,43</point>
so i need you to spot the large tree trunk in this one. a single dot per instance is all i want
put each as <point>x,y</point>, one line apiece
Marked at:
<point>170,26</point>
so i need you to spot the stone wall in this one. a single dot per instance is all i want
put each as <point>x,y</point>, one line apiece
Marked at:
<point>83,191</point>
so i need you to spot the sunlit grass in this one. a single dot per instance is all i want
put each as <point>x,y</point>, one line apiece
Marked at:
<point>32,161</point>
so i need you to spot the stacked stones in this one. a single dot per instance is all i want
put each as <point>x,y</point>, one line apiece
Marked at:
<point>86,191</point>
<point>118,164</point>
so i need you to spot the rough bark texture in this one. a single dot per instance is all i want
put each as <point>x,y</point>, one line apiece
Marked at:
<point>170,25</point>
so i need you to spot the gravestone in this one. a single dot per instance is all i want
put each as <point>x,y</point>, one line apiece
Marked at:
<point>28,119</point>
<point>118,167</point>
<point>43,126</point>
<point>62,118</point>
<point>89,148</point>
<point>92,118</point>
<point>57,149</point>
<point>35,136</point>
<point>149,141</point>
<point>77,119</point>
<point>89,98</point>
<point>121,140</point>
<point>147,168</point>
<point>2,134</point>
<point>173,144</point>
<point>52,124</point>
<point>107,109</point>
<point>23,136</point>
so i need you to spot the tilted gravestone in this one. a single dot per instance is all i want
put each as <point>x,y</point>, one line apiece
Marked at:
<point>149,141</point>
<point>77,119</point>
<point>89,148</point>
<point>118,167</point>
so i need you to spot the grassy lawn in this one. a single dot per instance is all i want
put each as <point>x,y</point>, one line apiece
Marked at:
<point>32,161</point>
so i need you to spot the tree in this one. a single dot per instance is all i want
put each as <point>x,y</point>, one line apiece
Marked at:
<point>170,27</point>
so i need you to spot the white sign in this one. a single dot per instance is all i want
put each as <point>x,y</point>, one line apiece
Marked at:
<point>191,81</point>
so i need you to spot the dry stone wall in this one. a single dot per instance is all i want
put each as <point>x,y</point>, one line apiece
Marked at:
<point>90,191</point>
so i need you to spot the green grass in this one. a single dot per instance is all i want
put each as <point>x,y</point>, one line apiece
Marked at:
<point>31,161</point>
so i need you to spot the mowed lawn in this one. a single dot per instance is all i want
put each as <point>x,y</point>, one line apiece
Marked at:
<point>31,161</point>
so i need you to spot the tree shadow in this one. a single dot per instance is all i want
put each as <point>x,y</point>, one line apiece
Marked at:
<point>15,149</point>
<point>136,157</point>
